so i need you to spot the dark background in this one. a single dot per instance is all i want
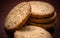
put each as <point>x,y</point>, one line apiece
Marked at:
<point>7,5</point>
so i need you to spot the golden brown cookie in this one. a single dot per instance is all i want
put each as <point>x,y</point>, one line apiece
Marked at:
<point>17,16</point>
<point>41,9</point>
<point>32,32</point>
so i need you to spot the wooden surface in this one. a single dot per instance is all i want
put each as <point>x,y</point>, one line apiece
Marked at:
<point>7,5</point>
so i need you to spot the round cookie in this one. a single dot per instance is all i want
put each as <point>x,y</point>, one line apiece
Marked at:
<point>32,32</point>
<point>44,20</point>
<point>41,9</point>
<point>17,16</point>
<point>45,26</point>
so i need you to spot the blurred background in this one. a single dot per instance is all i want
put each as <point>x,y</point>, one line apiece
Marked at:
<point>7,5</point>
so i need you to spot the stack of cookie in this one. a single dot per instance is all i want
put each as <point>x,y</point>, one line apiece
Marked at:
<point>31,19</point>
<point>42,14</point>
